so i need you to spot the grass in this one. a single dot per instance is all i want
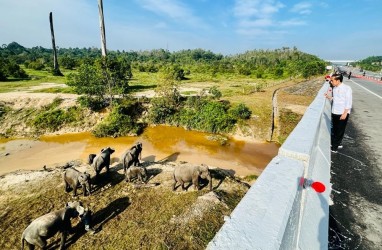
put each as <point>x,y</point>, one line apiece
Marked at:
<point>128,218</point>
<point>36,78</point>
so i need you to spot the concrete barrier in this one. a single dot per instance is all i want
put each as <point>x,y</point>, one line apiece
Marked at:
<point>278,212</point>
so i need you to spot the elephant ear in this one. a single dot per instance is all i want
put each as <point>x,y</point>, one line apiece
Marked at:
<point>82,178</point>
<point>204,168</point>
<point>87,175</point>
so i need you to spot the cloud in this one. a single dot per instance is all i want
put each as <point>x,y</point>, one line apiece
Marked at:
<point>292,22</point>
<point>302,8</point>
<point>255,17</point>
<point>256,8</point>
<point>172,9</point>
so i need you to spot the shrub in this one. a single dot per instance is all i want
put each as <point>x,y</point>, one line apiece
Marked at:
<point>210,117</point>
<point>93,103</point>
<point>162,111</point>
<point>240,112</point>
<point>51,120</point>
<point>215,92</point>
<point>121,121</point>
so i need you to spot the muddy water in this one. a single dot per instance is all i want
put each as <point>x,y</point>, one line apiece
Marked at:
<point>159,143</point>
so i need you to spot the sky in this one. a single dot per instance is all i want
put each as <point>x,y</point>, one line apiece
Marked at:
<point>329,29</point>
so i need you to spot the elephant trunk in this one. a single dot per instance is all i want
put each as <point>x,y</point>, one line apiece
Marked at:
<point>209,181</point>
<point>89,188</point>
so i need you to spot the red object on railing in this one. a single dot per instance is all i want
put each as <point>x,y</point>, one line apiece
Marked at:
<point>318,186</point>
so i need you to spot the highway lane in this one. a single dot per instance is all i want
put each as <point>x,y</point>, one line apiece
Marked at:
<point>356,173</point>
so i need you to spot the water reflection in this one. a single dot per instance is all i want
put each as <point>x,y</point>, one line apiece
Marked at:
<point>159,143</point>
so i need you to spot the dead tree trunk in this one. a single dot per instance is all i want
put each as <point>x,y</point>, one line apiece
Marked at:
<point>102,27</point>
<point>56,69</point>
<point>108,81</point>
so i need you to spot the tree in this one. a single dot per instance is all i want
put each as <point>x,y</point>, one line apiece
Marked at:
<point>87,81</point>
<point>56,69</point>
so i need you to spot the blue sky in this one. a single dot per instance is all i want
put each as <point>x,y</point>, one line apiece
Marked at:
<point>330,29</point>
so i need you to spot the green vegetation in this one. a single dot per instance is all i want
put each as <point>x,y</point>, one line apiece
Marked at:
<point>372,63</point>
<point>3,110</point>
<point>257,64</point>
<point>288,121</point>
<point>250,178</point>
<point>105,82</point>
<point>121,121</point>
<point>51,118</point>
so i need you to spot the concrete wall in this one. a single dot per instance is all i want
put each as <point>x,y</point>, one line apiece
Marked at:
<point>278,212</point>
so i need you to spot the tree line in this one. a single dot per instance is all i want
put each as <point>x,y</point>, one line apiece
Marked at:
<point>269,64</point>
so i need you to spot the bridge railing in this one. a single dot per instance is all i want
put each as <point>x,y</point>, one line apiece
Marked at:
<point>281,211</point>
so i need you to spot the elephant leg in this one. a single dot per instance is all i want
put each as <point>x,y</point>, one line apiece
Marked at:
<point>195,181</point>
<point>182,184</point>
<point>75,191</point>
<point>139,177</point>
<point>107,168</point>
<point>136,162</point>
<point>66,187</point>
<point>38,241</point>
<point>124,167</point>
<point>30,246</point>
<point>63,239</point>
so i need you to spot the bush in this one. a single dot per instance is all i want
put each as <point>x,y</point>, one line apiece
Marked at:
<point>240,112</point>
<point>52,120</point>
<point>36,65</point>
<point>210,117</point>
<point>215,92</point>
<point>93,103</point>
<point>162,110</point>
<point>121,121</point>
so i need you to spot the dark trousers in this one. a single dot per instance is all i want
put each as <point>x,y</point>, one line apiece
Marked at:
<point>338,130</point>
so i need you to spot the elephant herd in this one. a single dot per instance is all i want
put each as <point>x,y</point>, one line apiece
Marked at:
<point>46,226</point>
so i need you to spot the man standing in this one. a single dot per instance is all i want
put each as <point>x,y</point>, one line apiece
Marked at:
<point>342,103</point>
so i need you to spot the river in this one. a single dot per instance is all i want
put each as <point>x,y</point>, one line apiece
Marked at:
<point>159,143</point>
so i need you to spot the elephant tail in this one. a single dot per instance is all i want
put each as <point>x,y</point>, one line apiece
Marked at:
<point>22,241</point>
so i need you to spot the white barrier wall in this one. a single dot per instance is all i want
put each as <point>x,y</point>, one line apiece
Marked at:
<point>277,212</point>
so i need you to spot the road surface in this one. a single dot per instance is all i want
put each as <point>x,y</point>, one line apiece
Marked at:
<point>355,219</point>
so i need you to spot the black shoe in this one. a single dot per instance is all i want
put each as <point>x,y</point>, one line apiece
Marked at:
<point>334,150</point>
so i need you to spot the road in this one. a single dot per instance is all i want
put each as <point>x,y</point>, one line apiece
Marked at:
<point>356,173</point>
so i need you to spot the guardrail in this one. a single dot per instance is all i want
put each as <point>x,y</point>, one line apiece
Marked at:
<point>370,77</point>
<point>281,211</point>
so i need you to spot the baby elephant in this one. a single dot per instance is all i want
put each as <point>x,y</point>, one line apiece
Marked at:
<point>46,226</point>
<point>74,178</point>
<point>102,160</point>
<point>132,156</point>
<point>189,173</point>
<point>136,172</point>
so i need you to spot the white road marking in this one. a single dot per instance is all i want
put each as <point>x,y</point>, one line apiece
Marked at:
<point>371,92</point>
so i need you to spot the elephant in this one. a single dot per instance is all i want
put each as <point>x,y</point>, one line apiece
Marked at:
<point>132,156</point>
<point>139,172</point>
<point>91,158</point>
<point>74,178</point>
<point>102,160</point>
<point>46,226</point>
<point>190,173</point>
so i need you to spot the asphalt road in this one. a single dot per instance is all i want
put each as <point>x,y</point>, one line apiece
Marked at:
<point>355,219</point>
